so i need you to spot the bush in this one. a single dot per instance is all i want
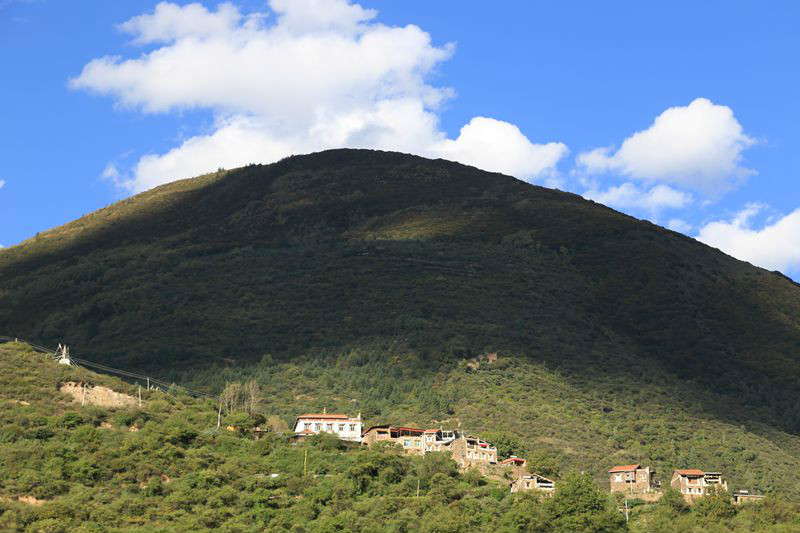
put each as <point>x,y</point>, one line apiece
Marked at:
<point>716,505</point>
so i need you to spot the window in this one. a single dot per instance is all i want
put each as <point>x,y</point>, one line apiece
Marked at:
<point>352,428</point>
<point>341,428</point>
<point>417,443</point>
<point>618,477</point>
<point>406,443</point>
<point>318,426</point>
<point>328,427</point>
<point>307,425</point>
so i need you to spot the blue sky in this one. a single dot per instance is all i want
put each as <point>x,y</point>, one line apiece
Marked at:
<point>552,92</point>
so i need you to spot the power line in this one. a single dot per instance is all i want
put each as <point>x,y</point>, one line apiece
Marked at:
<point>110,370</point>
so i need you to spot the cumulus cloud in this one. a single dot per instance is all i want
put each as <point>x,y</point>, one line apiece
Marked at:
<point>308,75</point>
<point>775,246</point>
<point>698,146</point>
<point>630,196</point>
<point>500,146</point>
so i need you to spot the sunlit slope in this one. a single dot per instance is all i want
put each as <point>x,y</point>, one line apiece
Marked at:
<point>413,259</point>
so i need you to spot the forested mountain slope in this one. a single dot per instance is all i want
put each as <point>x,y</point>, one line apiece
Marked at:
<point>364,280</point>
<point>165,466</point>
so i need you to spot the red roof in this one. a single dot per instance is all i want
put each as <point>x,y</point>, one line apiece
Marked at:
<point>431,431</point>
<point>413,430</point>
<point>691,472</point>
<point>624,468</point>
<point>324,416</point>
<point>518,460</point>
<point>305,432</point>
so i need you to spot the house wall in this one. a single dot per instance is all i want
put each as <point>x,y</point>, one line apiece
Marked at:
<point>632,482</point>
<point>695,487</point>
<point>376,435</point>
<point>529,483</point>
<point>412,444</point>
<point>466,455</point>
<point>344,428</point>
<point>740,499</point>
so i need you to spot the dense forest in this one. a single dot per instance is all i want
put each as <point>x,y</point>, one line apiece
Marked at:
<point>371,281</point>
<point>166,467</point>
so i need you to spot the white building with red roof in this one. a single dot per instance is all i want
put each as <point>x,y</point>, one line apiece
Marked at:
<point>693,483</point>
<point>343,426</point>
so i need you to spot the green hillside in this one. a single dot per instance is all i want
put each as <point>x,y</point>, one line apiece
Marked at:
<point>165,467</point>
<point>363,280</point>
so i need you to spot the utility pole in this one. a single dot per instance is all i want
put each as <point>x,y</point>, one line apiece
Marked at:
<point>140,396</point>
<point>148,383</point>
<point>626,510</point>
<point>219,414</point>
<point>305,463</point>
<point>83,396</point>
<point>417,487</point>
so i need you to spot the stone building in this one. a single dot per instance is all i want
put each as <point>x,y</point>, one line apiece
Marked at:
<point>693,483</point>
<point>465,450</point>
<point>741,497</point>
<point>531,482</point>
<point>633,479</point>
<point>410,439</point>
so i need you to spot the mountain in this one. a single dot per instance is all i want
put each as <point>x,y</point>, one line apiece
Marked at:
<point>369,280</point>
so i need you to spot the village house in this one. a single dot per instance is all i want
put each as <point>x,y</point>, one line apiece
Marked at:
<point>740,497</point>
<point>465,450</point>
<point>693,483</point>
<point>531,482</point>
<point>409,438</point>
<point>437,439</point>
<point>343,426</point>
<point>633,479</point>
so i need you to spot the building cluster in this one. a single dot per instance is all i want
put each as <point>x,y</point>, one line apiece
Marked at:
<point>638,481</point>
<point>465,450</point>
<point>470,451</point>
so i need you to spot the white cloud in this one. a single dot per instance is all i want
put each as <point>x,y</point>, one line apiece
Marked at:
<point>679,225</point>
<point>310,75</point>
<point>2,183</point>
<point>630,196</point>
<point>500,146</point>
<point>776,246</point>
<point>697,146</point>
